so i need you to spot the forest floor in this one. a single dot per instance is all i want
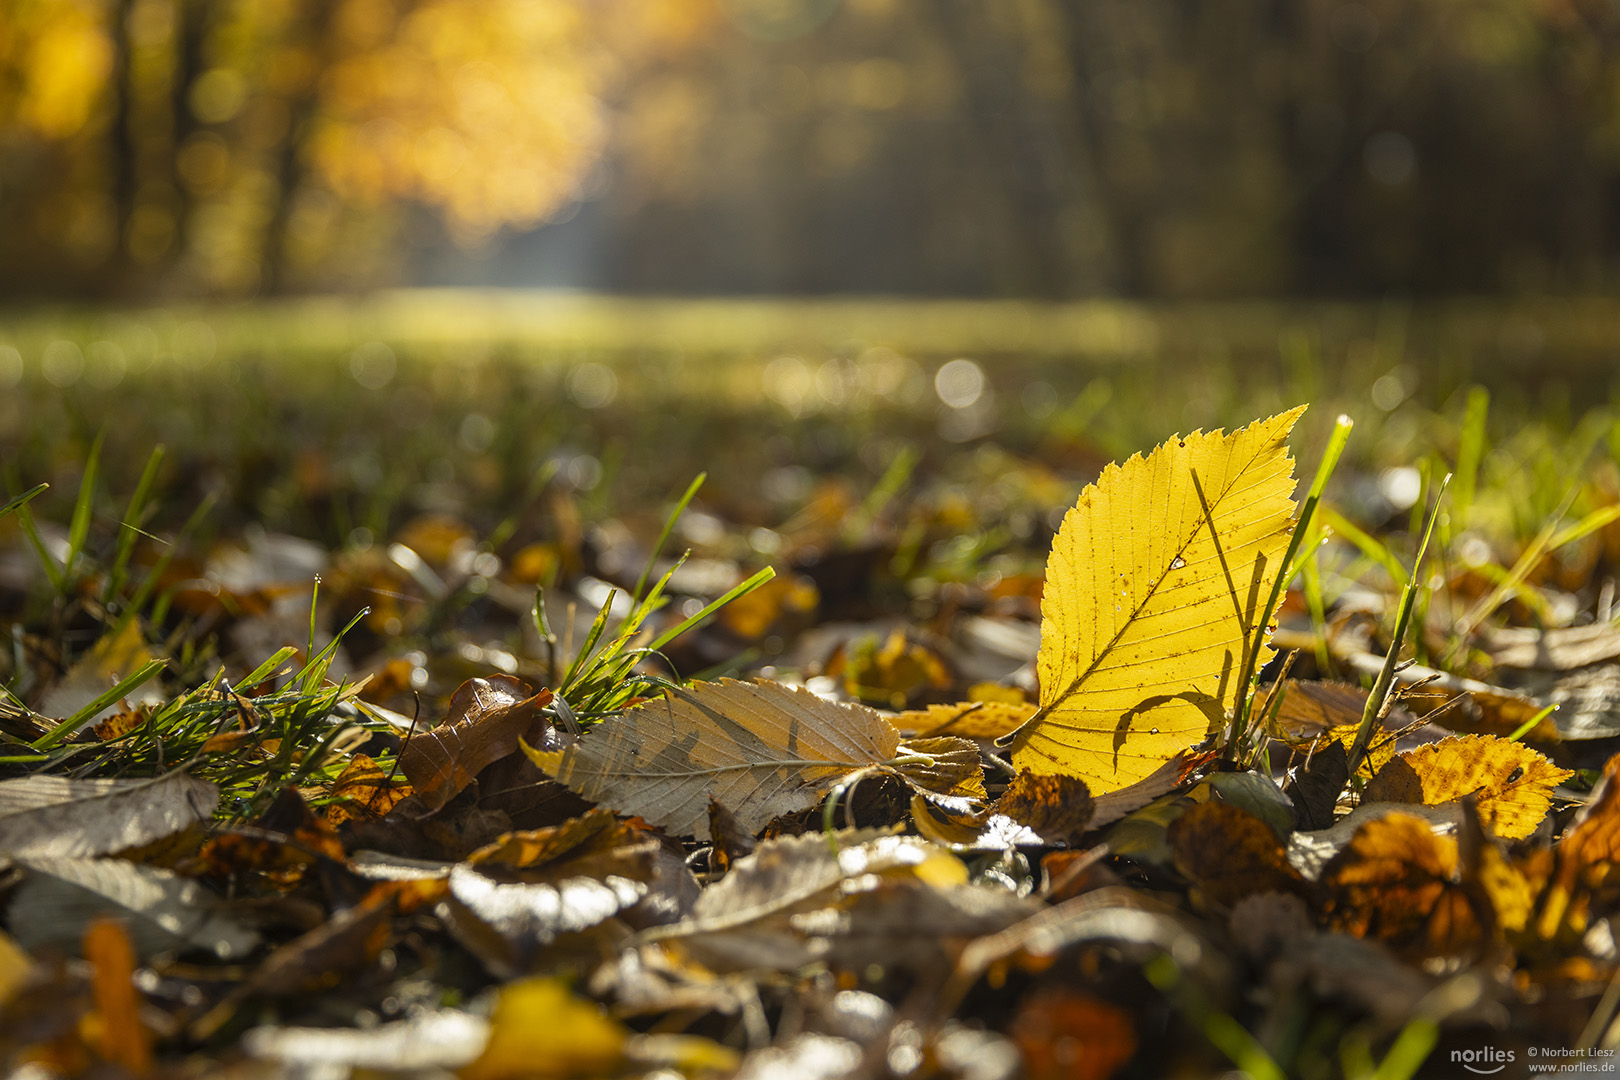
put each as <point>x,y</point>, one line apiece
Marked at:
<point>366,705</point>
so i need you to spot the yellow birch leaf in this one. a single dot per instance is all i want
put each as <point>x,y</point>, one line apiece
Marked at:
<point>1512,783</point>
<point>1153,589</point>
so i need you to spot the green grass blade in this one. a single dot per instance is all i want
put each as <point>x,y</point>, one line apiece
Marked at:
<point>83,506</point>
<point>150,582</point>
<point>1509,586</point>
<point>598,625</point>
<point>709,609</point>
<point>22,500</point>
<point>1367,545</point>
<point>1251,654</point>
<point>1470,451</point>
<point>1530,725</point>
<point>1403,618</point>
<point>315,671</point>
<point>669,526</point>
<point>1588,525</point>
<point>894,478</point>
<point>53,572</point>
<point>79,719</point>
<point>266,669</point>
<point>130,527</point>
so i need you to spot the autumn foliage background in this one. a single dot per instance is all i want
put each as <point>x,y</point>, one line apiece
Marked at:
<point>162,148</point>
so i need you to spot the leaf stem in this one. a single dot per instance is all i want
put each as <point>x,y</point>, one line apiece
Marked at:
<point>1403,618</point>
<point>1251,656</point>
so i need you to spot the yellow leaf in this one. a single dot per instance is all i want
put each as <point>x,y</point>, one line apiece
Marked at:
<point>540,1029</point>
<point>967,719</point>
<point>1153,587</point>
<point>1512,783</point>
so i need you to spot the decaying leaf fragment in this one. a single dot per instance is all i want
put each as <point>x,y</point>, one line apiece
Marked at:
<point>511,899</point>
<point>761,748</point>
<point>1511,782</point>
<point>1229,853</point>
<point>1058,808</point>
<point>1155,584</point>
<point>364,791</point>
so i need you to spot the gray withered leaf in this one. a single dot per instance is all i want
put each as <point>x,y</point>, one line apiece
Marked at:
<point>55,817</point>
<point>761,748</point>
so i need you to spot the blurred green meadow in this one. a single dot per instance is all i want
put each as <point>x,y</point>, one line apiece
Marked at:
<point>322,416</point>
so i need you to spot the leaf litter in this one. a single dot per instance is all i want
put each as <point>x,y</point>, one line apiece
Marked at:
<point>588,866</point>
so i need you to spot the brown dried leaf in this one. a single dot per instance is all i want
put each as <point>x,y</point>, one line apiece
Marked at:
<point>1113,805</point>
<point>487,720</point>
<point>1562,648</point>
<point>1512,783</point>
<point>594,830</point>
<point>1313,713</point>
<point>1229,854</point>
<point>121,723</point>
<point>1056,807</point>
<point>364,791</point>
<point>1315,788</point>
<point>746,920</point>
<point>1585,862</point>
<point>761,748</point>
<point>731,841</point>
<point>1398,882</point>
<point>951,773</point>
<point>161,910</point>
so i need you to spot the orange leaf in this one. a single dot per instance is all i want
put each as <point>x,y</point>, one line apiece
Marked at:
<point>1398,882</point>
<point>124,1041</point>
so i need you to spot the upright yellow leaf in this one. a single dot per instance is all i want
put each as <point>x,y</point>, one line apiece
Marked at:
<point>1155,583</point>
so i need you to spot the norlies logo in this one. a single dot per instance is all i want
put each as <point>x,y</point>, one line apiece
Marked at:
<point>1485,1062</point>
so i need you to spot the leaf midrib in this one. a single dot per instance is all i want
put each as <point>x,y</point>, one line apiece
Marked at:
<point>1136,612</point>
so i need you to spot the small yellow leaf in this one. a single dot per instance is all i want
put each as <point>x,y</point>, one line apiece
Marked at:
<point>1153,589</point>
<point>1512,783</point>
<point>540,1029</point>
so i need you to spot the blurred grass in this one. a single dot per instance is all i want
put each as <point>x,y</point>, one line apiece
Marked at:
<point>319,416</point>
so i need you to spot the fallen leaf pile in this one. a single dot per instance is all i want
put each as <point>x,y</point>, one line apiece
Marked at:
<point>761,877</point>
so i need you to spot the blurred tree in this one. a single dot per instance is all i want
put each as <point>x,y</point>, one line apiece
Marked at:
<point>231,145</point>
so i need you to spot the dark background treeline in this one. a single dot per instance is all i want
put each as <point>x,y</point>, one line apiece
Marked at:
<point>152,149</point>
